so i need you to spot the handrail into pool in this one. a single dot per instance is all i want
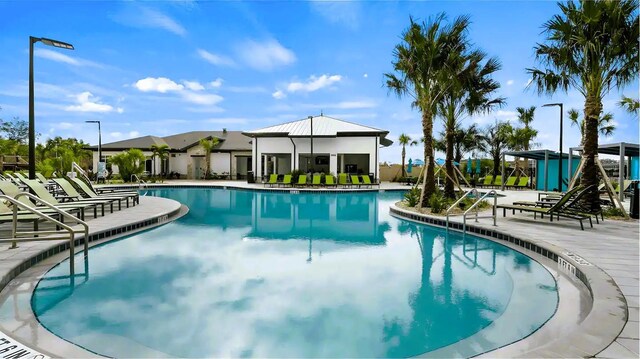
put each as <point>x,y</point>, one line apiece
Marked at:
<point>25,236</point>
<point>473,190</point>
<point>475,205</point>
<point>141,182</point>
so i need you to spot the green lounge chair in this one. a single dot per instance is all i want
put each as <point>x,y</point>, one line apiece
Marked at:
<point>273,180</point>
<point>316,180</point>
<point>488,181</point>
<point>11,190</point>
<point>329,181</point>
<point>302,181</point>
<point>342,179</point>
<point>558,209</point>
<point>355,181</point>
<point>367,181</point>
<point>498,182</point>
<point>41,178</point>
<point>286,181</point>
<point>74,195</point>
<point>89,192</point>
<point>511,182</point>
<point>39,190</point>
<point>522,182</point>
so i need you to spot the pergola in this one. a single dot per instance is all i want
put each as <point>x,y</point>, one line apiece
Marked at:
<point>621,149</point>
<point>539,155</point>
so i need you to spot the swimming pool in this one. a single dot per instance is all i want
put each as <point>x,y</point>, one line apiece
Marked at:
<point>269,274</point>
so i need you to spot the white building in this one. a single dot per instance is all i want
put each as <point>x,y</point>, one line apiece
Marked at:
<point>317,144</point>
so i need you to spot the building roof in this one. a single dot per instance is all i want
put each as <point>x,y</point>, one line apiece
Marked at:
<point>229,140</point>
<point>323,126</point>
<point>630,149</point>
<point>540,154</point>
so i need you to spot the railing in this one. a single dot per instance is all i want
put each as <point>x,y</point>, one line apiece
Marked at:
<point>471,191</point>
<point>475,205</point>
<point>35,235</point>
<point>75,167</point>
<point>141,182</point>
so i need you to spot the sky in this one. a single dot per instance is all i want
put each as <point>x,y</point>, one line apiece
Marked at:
<point>165,67</point>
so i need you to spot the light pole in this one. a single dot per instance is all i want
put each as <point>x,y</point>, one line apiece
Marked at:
<point>99,140</point>
<point>560,158</point>
<point>32,131</point>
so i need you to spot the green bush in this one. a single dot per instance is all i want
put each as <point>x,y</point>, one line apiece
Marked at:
<point>295,174</point>
<point>129,163</point>
<point>437,202</point>
<point>412,197</point>
<point>612,212</point>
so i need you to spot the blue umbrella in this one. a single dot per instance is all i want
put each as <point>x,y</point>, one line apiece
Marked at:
<point>410,166</point>
<point>469,170</point>
<point>418,162</point>
<point>440,162</point>
<point>478,165</point>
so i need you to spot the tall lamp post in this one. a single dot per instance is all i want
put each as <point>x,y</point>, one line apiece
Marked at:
<point>32,131</point>
<point>559,159</point>
<point>99,140</point>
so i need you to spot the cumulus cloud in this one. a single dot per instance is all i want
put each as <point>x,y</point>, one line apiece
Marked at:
<point>265,55</point>
<point>157,84</point>
<point>278,95</point>
<point>201,99</point>
<point>215,59</point>
<point>313,83</point>
<point>216,83</point>
<point>86,102</point>
<point>193,85</point>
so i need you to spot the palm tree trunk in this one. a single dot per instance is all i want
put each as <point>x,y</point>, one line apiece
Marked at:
<point>429,185</point>
<point>404,174</point>
<point>592,110</point>
<point>448,184</point>
<point>496,163</point>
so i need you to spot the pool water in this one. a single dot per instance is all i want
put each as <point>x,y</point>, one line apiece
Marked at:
<point>267,274</point>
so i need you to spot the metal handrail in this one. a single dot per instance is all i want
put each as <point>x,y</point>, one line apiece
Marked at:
<point>473,190</point>
<point>141,182</point>
<point>18,236</point>
<point>475,205</point>
<point>76,167</point>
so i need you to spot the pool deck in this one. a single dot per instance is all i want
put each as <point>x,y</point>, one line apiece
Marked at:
<point>612,246</point>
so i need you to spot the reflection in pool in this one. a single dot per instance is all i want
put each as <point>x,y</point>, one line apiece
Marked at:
<point>264,274</point>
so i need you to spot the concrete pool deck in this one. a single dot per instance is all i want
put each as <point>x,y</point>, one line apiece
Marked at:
<point>611,246</point>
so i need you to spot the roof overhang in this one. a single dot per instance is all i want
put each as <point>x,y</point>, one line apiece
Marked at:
<point>630,149</point>
<point>539,154</point>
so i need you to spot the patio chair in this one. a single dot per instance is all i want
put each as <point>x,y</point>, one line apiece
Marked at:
<point>355,181</point>
<point>498,182</point>
<point>554,210</point>
<point>329,181</point>
<point>74,195</point>
<point>316,180</point>
<point>367,181</point>
<point>511,182</point>
<point>522,182</point>
<point>286,181</point>
<point>39,190</point>
<point>302,181</point>
<point>11,190</point>
<point>41,178</point>
<point>273,180</point>
<point>134,196</point>
<point>488,181</point>
<point>342,180</point>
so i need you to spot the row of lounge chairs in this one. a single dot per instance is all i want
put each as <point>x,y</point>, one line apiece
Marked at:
<point>512,182</point>
<point>73,196</point>
<point>316,181</point>
<point>569,205</point>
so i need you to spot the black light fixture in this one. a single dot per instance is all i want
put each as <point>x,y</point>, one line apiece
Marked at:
<point>99,139</point>
<point>32,131</point>
<point>560,158</point>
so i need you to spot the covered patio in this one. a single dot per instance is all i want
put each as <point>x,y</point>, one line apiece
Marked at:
<point>546,168</point>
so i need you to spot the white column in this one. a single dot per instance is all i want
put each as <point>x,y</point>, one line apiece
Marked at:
<point>621,173</point>
<point>333,163</point>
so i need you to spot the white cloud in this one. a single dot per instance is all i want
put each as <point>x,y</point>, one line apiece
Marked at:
<point>193,85</point>
<point>365,75</point>
<point>144,17</point>
<point>265,55</point>
<point>115,134</point>
<point>278,95</point>
<point>64,125</point>
<point>247,89</point>
<point>215,59</point>
<point>89,103</point>
<point>63,58</point>
<point>509,82</point>
<point>342,12</point>
<point>159,84</point>
<point>216,83</point>
<point>313,83</point>
<point>134,134</point>
<point>354,104</point>
<point>201,99</point>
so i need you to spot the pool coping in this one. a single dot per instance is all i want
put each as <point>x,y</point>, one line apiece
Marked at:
<point>596,331</point>
<point>252,188</point>
<point>60,251</point>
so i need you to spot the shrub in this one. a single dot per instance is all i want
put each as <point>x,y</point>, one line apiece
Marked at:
<point>129,163</point>
<point>612,212</point>
<point>295,174</point>
<point>437,202</point>
<point>412,197</point>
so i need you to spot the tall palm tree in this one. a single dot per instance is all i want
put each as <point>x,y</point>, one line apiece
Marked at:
<point>465,140</point>
<point>525,117</point>
<point>161,152</point>
<point>494,140</point>
<point>592,47</point>
<point>421,73</point>
<point>605,123</point>
<point>208,144</point>
<point>405,140</point>
<point>470,93</point>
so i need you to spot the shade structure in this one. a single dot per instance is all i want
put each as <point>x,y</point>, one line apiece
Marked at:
<point>441,162</point>
<point>418,162</point>
<point>410,166</point>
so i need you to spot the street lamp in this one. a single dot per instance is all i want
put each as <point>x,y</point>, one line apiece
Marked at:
<point>99,140</point>
<point>560,159</point>
<point>32,131</point>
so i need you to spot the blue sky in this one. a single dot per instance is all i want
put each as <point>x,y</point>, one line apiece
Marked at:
<point>166,67</point>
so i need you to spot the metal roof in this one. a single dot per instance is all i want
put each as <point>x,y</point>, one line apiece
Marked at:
<point>630,149</point>
<point>323,126</point>
<point>539,154</point>
<point>229,140</point>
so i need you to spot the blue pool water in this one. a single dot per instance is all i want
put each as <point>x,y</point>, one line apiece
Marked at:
<point>264,274</point>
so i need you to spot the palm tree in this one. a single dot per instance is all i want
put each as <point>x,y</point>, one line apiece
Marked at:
<point>421,73</point>
<point>525,117</point>
<point>494,140</point>
<point>405,140</point>
<point>592,47</point>
<point>605,123</point>
<point>465,140</point>
<point>208,144</point>
<point>470,93</point>
<point>160,151</point>
<point>630,105</point>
